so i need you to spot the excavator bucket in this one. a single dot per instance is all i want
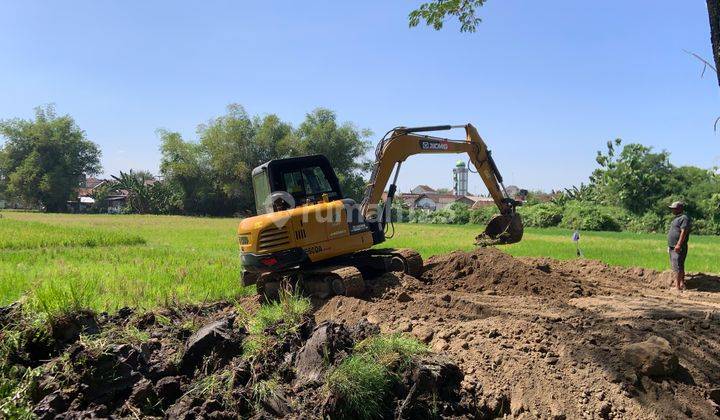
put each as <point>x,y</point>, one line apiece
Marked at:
<point>502,229</point>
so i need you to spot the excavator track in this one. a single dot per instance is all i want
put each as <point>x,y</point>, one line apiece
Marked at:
<point>339,280</point>
<point>344,277</point>
<point>413,263</point>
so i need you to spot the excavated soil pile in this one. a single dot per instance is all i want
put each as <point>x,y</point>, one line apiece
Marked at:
<point>540,338</point>
<point>493,271</point>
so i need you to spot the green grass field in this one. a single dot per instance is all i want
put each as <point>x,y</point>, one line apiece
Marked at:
<point>109,261</point>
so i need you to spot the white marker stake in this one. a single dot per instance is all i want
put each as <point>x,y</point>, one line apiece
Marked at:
<point>576,239</point>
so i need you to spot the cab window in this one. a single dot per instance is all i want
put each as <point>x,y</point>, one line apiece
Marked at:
<point>261,186</point>
<point>315,181</point>
<point>309,182</point>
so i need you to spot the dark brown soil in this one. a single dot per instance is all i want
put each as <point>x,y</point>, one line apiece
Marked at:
<point>187,362</point>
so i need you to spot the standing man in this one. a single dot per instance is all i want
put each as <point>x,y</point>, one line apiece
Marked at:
<point>678,236</point>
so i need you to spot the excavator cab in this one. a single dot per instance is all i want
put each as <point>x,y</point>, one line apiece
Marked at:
<point>283,184</point>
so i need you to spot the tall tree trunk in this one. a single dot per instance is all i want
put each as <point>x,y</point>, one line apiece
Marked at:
<point>714,15</point>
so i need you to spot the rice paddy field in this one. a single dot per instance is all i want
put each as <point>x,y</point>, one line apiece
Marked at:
<point>109,261</point>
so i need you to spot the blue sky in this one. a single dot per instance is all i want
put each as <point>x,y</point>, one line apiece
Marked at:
<point>546,83</point>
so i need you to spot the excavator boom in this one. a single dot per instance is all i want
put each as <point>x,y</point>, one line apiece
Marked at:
<point>404,142</point>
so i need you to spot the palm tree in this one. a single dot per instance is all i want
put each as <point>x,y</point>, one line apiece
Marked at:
<point>138,190</point>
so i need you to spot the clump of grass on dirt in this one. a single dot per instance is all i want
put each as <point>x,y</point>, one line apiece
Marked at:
<point>362,381</point>
<point>264,390</point>
<point>391,349</point>
<point>220,383</point>
<point>275,320</point>
<point>17,382</point>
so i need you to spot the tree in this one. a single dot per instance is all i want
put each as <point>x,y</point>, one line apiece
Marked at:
<point>236,143</point>
<point>145,193</point>
<point>213,175</point>
<point>343,144</point>
<point>695,186</point>
<point>43,160</point>
<point>636,179</point>
<point>186,169</point>
<point>435,12</point>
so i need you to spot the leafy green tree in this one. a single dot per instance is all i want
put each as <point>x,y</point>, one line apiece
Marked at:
<point>235,144</point>
<point>343,144</point>
<point>44,159</point>
<point>213,175</point>
<point>186,169</point>
<point>635,179</point>
<point>138,191</point>
<point>435,13</point>
<point>695,186</point>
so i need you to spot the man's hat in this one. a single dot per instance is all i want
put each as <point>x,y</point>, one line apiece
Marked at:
<point>677,204</point>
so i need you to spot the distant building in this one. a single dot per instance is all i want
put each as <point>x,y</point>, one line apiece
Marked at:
<point>424,197</point>
<point>460,177</point>
<point>422,189</point>
<point>437,201</point>
<point>87,191</point>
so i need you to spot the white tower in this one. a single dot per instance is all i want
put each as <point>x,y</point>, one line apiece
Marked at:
<point>460,177</point>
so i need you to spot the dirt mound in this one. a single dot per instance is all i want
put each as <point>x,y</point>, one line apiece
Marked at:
<point>557,339</point>
<point>492,271</point>
<point>598,273</point>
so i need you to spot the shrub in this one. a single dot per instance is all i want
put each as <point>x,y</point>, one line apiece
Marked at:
<point>705,227</point>
<point>588,216</point>
<point>648,222</point>
<point>459,213</point>
<point>419,216</point>
<point>482,215</point>
<point>542,215</point>
<point>456,213</point>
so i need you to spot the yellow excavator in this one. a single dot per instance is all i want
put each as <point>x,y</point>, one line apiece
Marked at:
<point>308,234</point>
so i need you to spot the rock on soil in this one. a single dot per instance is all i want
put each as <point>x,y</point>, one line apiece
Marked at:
<point>218,337</point>
<point>328,342</point>
<point>653,357</point>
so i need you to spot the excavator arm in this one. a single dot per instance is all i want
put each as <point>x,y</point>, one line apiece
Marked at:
<point>404,142</point>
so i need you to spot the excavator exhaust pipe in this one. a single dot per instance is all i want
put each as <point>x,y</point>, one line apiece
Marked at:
<point>501,230</point>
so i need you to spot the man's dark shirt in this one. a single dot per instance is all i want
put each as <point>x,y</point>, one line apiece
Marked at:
<point>680,222</point>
